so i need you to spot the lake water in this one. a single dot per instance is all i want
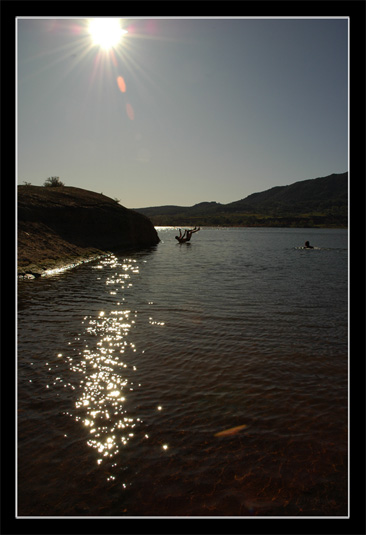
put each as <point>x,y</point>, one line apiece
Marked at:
<point>131,367</point>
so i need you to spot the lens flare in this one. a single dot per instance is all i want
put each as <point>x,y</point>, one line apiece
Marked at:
<point>121,84</point>
<point>130,111</point>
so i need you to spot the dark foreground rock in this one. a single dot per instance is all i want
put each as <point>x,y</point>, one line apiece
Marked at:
<point>60,226</point>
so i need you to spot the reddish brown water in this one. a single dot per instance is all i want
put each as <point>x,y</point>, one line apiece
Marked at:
<point>130,368</point>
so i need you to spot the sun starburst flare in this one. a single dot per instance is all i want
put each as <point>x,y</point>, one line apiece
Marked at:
<point>106,32</point>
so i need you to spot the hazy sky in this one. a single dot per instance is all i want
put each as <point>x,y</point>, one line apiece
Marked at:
<point>182,110</point>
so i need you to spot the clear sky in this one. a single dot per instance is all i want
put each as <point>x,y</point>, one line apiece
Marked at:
<point>181,111</point>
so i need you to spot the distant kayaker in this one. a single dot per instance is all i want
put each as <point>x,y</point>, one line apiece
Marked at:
<point>308,246</point>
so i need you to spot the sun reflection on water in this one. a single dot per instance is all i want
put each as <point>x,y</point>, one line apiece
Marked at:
<point>105,372</point>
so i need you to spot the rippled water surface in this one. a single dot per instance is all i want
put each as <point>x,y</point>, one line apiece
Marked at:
<point>203,379</point>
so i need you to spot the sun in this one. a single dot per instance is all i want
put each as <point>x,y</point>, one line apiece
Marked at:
<point>106,33</point>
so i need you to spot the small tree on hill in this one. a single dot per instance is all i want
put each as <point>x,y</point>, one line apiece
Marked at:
<point>53,182</point>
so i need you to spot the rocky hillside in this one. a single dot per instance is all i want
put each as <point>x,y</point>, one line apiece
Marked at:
<point>60,225</point>
<point>309,203</point>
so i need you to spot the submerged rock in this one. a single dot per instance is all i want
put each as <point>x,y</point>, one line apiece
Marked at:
<point>66,225</point>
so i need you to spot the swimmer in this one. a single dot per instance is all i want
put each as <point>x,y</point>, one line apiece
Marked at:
<point>186,235</point>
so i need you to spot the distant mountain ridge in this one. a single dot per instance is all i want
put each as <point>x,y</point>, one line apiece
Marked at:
<point>314,202</point>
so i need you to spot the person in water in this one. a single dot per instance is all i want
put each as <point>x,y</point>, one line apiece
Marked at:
<point>186,235</point>
<point>308,246</point>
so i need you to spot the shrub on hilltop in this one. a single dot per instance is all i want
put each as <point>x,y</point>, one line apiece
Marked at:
<point>53,182</point>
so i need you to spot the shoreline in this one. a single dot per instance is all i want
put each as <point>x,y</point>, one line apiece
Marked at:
<point>51,267</point>
<point>63,227</point>
<point>42,251</point>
